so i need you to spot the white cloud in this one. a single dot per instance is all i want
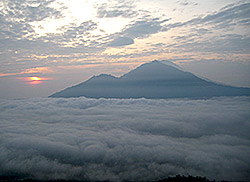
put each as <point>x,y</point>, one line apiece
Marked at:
<point>125,139</point>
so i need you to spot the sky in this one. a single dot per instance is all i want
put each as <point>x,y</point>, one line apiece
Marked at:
<point>125,139</point>
<point>65,42</point>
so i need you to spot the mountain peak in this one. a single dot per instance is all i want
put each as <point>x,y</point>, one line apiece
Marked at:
<point>155,70</point>
<point>156,61</point>
<point>102,76</point>
<point>151,80</point>
<point>162,63</point>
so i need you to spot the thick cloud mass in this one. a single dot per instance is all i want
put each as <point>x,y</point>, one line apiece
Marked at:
<point>125,139</point>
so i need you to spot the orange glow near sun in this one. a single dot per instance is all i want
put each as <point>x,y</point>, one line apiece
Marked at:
<point>35,78</point>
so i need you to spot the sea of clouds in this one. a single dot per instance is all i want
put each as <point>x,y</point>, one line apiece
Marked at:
<point>125,139</point>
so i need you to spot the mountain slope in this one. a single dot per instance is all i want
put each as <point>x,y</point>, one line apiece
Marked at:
<point>151,80</point>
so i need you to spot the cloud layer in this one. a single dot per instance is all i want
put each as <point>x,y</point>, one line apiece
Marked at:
<point>131,139</point>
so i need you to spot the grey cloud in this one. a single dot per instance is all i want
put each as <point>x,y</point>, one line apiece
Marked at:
<point>17,35</point>
<point>121,41</point>
<point>206,39</point>
<point>227,15</point>
<point>14,46</point>
<point>144,52</point>
<point>143,28</point>
<point>80,34</point>
<point>16,16</point>
<point>12,30</point>
<point>186,3</point>
<point>201,30</point>
<point>138,29</point>
<point>232,43</point>
<point>28,11</point>
<point>237,14</point>
<point>126,139</point>
<point>121,8</point>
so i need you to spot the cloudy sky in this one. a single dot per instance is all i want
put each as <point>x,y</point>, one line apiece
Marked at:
<point>67,41</point>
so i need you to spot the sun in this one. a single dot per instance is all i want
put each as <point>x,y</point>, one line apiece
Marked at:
<point>35,78</point>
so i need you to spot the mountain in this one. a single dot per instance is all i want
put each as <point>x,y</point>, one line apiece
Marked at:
<point>151,80</point>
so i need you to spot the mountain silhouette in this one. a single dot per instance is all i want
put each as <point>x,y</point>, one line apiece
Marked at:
<point>151,80</point>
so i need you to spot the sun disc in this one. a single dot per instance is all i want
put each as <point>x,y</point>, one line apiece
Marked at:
<point>35,78</point>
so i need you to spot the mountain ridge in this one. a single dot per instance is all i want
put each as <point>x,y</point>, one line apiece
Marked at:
<point>151,80</point>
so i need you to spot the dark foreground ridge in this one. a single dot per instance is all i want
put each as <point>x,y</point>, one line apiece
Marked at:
<point>177,178</point>
<point>153,80</point>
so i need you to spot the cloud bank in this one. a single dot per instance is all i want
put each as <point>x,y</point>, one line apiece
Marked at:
<point>125,139</point>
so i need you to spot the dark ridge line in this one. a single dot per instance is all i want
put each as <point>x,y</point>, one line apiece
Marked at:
<point>177,178</point>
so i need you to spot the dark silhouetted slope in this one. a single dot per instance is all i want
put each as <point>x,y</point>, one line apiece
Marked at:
<point>151,80</point>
